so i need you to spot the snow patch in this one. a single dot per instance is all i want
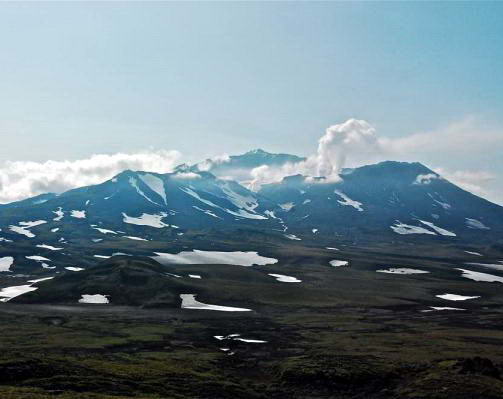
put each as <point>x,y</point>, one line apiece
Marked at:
<point>246,204</point>
<point>237,337</point>
<point>208,212</point>
<point>401,228</point>
<point>473,253</point>
<point>476,224</point>
<point>439,230</point>
<point>59,214</point>
<point>338,263</point>
<point>78,214</point>
<point>477,276</point>
<point>346,201</point>
<point>442,203</point>
<point>134,183</point>
<point>104,231</point>
<point>96,298</point>
<point>50,247</point>
<point>250,341</point>
<point>24,226</point>
<point>455,297</point>
<point>136,238</point>
<point>292,237</point>
<point>287,206</point>
<point>196,256</point>
<point>8,293</point>
<point>147,219</point>
<point>189,302</point>
<point>5,263</point>
<point>38,280</point>
<point>401,270</point>
<point>285,279</point>
<point>155,184</point>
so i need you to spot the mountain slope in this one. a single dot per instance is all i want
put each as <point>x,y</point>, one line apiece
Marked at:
<point>140,213</point>
<point>146,200</point>
<point>390,199</point>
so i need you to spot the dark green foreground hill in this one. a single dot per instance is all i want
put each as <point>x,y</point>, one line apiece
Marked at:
<point>125,280</point>
<point>340,333</point>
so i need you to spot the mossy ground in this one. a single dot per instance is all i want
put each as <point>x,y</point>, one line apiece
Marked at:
<point>341,333</point>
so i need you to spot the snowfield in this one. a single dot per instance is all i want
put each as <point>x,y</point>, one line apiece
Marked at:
<point>454,297</point>
<point>346,201</point>
<point>74,269</point>
<point>24,227</point>
<point>292,237</point>
<point>338,263</point>
<point>285,279</point>
<point>96,298</point>
<point>8,293</point>
<point>189,302</point>
<point>104,231</point>
<point>5,263</point>
<point>155,184</point>
<point>401,270</point>
<point>196,256</point>
<point>439,230</point>
<point>147,219</point>
<point>475,224</point>
<point>477,276</point>
<point>50,247</point>
<point>401,228</point>
<point>78,214</point>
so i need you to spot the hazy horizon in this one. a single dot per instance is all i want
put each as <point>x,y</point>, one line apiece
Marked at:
<point>167,83</point>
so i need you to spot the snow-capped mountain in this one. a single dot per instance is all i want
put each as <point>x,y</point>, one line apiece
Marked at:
<point>141,200</point>
<point>386,200</point>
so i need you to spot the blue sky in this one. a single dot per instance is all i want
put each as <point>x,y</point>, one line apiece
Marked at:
<point>208,78</point>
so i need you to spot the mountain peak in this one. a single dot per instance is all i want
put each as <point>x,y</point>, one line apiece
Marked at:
<point>124,173</point>
<point>258,151</point>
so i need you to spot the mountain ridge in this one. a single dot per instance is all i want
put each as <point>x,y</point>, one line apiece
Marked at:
<point>387,201</point>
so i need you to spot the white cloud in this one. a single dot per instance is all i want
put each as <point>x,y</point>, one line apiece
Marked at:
<point>355,142</point>
<point>186,176</point>
<point>425,179</point>
<point>478,182</point>
<point>23,179</point>
<point>343,140</point>
<point>466,136</point>
<point>209,163</point>
<point>337,144</point>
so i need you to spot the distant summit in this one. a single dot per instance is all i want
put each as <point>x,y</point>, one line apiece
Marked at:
<point>238,167</point>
